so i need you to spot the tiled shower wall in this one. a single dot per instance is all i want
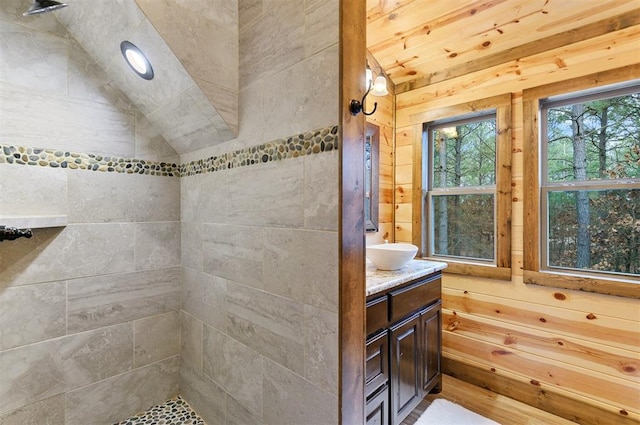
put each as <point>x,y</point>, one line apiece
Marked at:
<point>260,243</point>
<point>89,313</point>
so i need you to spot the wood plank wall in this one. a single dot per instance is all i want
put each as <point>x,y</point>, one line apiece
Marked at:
<point>576,354</point>
<point>384,117</point>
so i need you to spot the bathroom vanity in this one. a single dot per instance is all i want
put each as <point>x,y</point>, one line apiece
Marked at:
<point>403,339</point>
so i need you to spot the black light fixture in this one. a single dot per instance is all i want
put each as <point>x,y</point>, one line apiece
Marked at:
<point>136,60</point>
<point>379,88</point>
<point>43,6</point>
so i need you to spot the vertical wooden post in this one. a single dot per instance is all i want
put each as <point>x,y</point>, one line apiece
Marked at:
<point>418,229</point>
<point>352,239</point>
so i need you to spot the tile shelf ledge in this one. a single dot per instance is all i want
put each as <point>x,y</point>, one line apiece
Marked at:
<point>33,221</point>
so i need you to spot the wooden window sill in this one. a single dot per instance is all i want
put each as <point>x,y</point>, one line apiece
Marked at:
<point>478,270</point>
<point>621,288</point>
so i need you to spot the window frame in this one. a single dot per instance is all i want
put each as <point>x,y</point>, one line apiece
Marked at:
<point>501,268</point>
<point>429,242</point>
<point>533,270</point>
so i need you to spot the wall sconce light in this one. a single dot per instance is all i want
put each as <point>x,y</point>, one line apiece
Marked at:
<point>376,88</point>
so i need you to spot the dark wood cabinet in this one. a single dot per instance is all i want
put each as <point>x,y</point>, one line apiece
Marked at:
<point>406,364</point>
<point>376,388</point>
<point>431,333</point>
<point>403,349</point>
<point>377,367</point>
<point>377,408</point>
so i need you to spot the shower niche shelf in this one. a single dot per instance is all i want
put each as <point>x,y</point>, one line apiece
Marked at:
<point>33,221</point>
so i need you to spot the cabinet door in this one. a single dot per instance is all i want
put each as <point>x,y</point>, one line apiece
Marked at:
<point>377,408</point>
<point>406,361</point>
<point>431,334</point>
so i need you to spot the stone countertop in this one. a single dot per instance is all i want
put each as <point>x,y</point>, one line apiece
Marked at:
<point>381,280</point>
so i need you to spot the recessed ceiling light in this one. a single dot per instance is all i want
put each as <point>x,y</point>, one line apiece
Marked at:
<point>136,60</point>
<point>43,6</point>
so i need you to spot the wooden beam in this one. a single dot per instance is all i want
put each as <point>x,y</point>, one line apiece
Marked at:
<point>352,240</point>
<point>565,38</point>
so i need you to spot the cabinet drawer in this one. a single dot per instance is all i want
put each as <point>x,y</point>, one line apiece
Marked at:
<point>377,315</point>
<point>377,408</point>
<point>411,298</point>
<point>377,366</point>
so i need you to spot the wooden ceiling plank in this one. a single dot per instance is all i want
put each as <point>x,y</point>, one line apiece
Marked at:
<point>441,53</point>
<point>589,31</point>
<point>504,29</point>
<point>464,24</point>
<point>380,9</point>
<point>596,9</point>
<point>590,57</point>
<point>406,116</point>
<point>419,18</point>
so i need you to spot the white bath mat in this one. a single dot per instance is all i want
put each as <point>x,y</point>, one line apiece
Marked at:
<point>443,412</point>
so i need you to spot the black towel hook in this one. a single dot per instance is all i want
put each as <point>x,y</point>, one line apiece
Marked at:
<point>12,233</point>
<point>357,106</point>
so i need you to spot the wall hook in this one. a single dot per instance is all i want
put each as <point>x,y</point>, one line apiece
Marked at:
<point>356,106</point>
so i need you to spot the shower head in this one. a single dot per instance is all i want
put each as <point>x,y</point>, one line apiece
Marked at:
<point>43,6</point>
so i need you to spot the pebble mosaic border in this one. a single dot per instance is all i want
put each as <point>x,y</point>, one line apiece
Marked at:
<point>172,412</point>
<point>312,142</point>
<point>309,143</point>
<point>61,159</point>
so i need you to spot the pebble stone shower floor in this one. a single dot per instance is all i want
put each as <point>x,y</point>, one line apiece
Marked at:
<point>172,412</point>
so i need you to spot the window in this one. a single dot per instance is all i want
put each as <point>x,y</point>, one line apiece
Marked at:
<point>582,183</point>
<point>590,186</point>
<point>461,188</point>
<point>462,192</point>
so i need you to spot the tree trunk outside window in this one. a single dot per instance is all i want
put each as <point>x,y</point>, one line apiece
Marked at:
<point>580,173</point>
<point>443,222</point>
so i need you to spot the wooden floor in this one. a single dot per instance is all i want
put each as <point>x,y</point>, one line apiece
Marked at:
<point>494,406</point>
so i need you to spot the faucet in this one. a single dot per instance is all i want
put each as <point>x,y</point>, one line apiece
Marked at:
<point>12,233</point>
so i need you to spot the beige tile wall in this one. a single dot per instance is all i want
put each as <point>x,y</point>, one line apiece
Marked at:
<point>257,247</point>
<point>214,68</point>
<point>90,302</point>
<point>262,289</point>
<point>54,95</point>
<point>260,243</point>
<point>89,322</point>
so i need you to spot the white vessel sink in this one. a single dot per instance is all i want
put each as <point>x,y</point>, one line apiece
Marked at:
<point>391,256</point>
